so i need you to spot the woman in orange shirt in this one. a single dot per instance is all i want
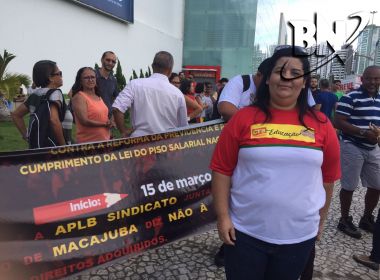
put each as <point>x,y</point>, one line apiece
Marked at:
<point>91,114</point>
<point>194,108</point>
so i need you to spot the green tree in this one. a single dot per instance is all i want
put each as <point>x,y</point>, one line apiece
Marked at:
<point>141,74</point>
<point>121,83</point>
<point>134,75</point>
<point>10,82</point>
<point>96,66</point>
<point>149,72</point>
<point>120,78</point>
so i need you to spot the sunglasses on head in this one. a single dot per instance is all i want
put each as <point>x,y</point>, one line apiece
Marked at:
<point>297,50</point>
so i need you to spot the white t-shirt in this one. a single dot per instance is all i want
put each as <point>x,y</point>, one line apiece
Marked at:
<point>277,171</point>
<point>156,105</point>
<point>233,92</point>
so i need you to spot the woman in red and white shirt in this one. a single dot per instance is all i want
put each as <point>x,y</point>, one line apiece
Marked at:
<point>273,173</point>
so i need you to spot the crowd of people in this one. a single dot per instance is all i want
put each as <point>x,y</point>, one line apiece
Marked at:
<point>288,139</point>
<point>96,106</point>
<point>91,98</point>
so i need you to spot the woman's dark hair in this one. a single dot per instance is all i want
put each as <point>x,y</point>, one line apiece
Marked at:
<point>77,87</point>
<point>42,72</point>
<point>185,86</point>
<point>172,76</point>
<point>199,88</point>
<point>263,97</point>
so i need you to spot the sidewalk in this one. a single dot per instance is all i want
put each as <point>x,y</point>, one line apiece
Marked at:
<point>192,258</point>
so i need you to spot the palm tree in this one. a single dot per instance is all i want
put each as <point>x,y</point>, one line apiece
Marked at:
<point>10,82</point>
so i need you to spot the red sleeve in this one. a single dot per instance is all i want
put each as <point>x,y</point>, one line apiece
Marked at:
<point>331,155</point>
<point>226,151</point>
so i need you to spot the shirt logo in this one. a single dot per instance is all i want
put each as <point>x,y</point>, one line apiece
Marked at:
<point>283,132</point>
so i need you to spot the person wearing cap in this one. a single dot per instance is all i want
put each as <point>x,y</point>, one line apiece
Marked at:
<point>274,169</point>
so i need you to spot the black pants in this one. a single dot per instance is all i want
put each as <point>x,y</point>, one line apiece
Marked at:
<point>307,273</point>
<point>254,259</point>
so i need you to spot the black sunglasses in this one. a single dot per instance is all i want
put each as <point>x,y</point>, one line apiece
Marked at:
<point>297,50</point>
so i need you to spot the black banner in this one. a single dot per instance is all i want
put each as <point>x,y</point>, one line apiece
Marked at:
<point>72,208</point>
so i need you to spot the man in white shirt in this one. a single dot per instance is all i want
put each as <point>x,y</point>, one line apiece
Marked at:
<point>156,105</point>
<point>238,93</point>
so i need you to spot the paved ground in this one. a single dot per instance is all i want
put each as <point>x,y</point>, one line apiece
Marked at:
<point>192,258</point>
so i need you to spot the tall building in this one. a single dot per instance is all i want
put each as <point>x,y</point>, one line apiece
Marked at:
<point>340,68</point>
<point>220,32</point>
<point>282,32</point>
<point>377,52</point>
<point>258,57</point>
<point>320,64</point>
<point>349,62</point>
<point>368,52</point>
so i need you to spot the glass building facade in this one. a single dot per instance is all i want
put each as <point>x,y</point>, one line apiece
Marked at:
<point>368,52</point>
<point>220,33</point>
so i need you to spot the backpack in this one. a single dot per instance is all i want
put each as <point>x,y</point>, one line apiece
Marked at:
<point>70,108</point>
<point>246,82</point>
<point>40,133</point>
<point>246,85</point>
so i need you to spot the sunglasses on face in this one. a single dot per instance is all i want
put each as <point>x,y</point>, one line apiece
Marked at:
<point>59,73</point>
